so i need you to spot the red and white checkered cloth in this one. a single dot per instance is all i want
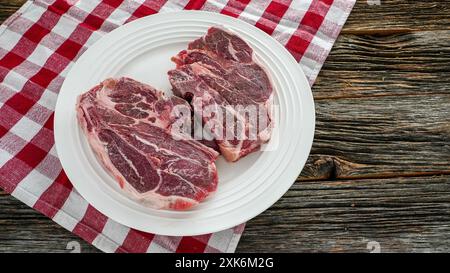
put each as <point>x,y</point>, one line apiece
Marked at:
<point>39,44</point>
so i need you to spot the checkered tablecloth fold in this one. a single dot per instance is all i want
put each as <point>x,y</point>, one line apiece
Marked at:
<point>39,44</point>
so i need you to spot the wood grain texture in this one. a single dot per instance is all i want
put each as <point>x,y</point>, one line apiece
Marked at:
<point>386,65</point>
<point>380,137</point>
<point>401,214</point>
<point>393,16</point>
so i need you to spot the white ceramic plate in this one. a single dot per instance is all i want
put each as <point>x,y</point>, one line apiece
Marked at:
<point>142,50</point>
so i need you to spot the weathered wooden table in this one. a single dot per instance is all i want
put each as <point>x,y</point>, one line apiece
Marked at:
<point>379,170</point>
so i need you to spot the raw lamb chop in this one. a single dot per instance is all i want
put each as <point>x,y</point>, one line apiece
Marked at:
<point>129,127</point>
<point>218,72</point>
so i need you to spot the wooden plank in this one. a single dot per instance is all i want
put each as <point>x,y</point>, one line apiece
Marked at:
<point>380,137</point>
<point>402,215</point>
<point>393,16</point>
<point>363,65</point>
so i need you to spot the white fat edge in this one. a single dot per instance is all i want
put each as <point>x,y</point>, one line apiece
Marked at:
<point>93,140</point>
<point>154,200</point>
<point>233,148</point>
<point>267,132</point>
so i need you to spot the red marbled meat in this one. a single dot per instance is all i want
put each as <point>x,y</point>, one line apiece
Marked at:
<point>128,125</point>
<point>218,71</point>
